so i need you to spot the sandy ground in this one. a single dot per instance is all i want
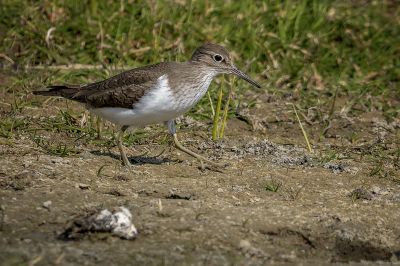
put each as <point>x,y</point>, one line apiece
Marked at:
<point>339,212</point>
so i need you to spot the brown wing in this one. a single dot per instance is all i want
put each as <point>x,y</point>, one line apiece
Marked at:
<point>122,90</point>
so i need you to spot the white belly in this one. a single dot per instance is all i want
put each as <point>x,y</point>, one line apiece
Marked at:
<point>157,106</point>
<point>129,117</point>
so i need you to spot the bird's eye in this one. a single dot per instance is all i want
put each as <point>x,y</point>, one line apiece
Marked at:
<point>218,58</point>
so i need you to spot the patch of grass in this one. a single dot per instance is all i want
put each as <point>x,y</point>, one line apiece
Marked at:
<point>386,167</point>
<point>273,185</point>
<point>66,122</point>
<point>287,192</point>
<point>136,137</point>
<point>292,193</point>
<point>316,44</point>
<point>76,125</point>
<point>54,147</point>
<point>10,125</point>
<point>328,156</point>
<point>220,120</point>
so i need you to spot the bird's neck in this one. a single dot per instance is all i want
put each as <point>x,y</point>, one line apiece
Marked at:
<point>191,74</point>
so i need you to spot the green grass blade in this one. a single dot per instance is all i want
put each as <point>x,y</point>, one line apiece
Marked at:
<point>302,129</point>
<point>226,109</point>
<point>217,113</point>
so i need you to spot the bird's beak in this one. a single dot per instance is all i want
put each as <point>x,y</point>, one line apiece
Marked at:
<point>244,76</point>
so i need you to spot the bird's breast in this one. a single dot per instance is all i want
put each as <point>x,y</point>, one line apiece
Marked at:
<point>160,104</point>
<point>186,95</point>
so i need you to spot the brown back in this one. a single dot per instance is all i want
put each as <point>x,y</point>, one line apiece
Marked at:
<point>122,90</point>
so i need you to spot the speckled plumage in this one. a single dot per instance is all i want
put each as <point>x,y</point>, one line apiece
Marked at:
<point>151,94</point>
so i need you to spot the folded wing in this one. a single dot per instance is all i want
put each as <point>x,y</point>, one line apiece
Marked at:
<point>122,90</point>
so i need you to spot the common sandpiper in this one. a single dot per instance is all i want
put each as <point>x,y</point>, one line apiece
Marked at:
<point>153,94</point>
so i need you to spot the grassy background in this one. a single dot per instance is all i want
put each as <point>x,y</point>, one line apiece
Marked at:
<point>314,50</point>
<point>343,42</point>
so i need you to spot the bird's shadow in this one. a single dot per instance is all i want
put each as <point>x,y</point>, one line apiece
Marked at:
<point>136,160</point>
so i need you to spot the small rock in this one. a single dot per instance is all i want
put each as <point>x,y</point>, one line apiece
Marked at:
<point>376,190</point>
<point>59,160</point>
<point>379,191</point>
<point>173,194</point>
<point>115,192</point>
<point>118,222</point>
<point>74,251</point>
<point>244,244</point>
<point>82,186</point>
<point>395,257</point>
<point>250,251</point>
<point>86,155</point>
<point>220,190</point>
<point>255,199</point>
<point>26,164</point>
<point>47,204</point>
<point>395,197</point>
<point>361,193</point>
<point>336,168</point>
<point>179,248</point>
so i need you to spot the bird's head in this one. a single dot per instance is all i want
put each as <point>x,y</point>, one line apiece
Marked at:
<point>217,58</point>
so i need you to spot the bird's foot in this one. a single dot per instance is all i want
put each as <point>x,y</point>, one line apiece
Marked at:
<point>204,162</point>
<point>126,162</point>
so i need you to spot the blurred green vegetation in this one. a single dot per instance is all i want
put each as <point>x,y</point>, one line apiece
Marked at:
<point>316,50</point>
<point>345,42</point>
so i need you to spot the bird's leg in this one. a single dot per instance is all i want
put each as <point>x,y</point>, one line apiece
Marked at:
<point>179,146</point>
<point>124,159</point>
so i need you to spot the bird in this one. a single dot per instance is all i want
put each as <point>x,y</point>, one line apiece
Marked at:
<point>153,94</point>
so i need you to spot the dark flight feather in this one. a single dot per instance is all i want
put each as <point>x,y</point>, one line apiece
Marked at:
<point>61,91</point>
<point>122,90</point>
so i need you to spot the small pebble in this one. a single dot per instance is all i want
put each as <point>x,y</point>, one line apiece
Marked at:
<point>82,186</point>
<point>376,190</point>
<point>361,193</point>
<point>47,204</point>
<point>244,245</point>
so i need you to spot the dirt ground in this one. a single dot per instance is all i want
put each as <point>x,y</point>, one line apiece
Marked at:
<point>275,204</point>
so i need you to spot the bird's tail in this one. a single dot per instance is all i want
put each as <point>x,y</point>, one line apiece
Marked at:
<point>59,90</point>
